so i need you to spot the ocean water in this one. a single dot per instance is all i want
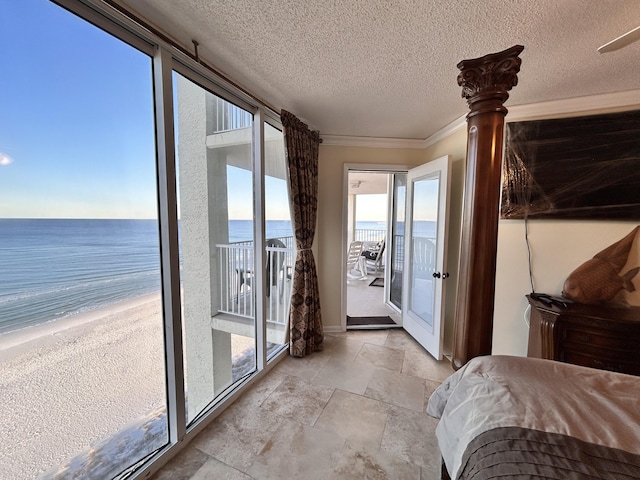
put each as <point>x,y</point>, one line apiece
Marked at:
<point>242,230</point>
<point>422,228</point>
<point>54,268</point>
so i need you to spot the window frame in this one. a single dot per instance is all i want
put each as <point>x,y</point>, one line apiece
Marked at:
<point>167,58</point>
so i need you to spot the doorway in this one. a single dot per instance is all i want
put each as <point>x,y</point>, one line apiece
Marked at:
<point>372,277</point>
<point>408,269</point>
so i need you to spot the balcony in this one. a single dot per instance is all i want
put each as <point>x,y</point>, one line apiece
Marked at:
<point>237,305</point>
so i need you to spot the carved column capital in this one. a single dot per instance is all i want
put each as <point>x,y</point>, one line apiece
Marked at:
<point>489,78</point>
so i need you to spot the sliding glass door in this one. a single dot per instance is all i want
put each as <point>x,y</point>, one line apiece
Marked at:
<point>146,247</point>
<point>214,165</point>
<point>82,361</point>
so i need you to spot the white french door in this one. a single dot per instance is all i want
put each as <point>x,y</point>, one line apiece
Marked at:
<point>427,202</point>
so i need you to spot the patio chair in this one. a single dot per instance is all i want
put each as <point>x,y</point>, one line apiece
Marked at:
<point>353,255</point>
<point>275,264</point>
<point>372,257</point>
<point>274,267</point>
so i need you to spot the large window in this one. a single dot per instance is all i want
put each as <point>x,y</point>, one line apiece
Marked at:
<point>215,171</point>
<point>82,366</point>
<point>146,248</point>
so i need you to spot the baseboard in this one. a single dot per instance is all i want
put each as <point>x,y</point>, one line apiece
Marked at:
<point>333,329</point>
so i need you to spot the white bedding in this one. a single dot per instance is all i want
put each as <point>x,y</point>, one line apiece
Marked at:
<point>500,391</point>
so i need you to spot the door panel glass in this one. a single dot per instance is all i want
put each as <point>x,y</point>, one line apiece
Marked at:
<point>218,272</point>
<point>82,371</point>
<point>423,234</point>
<point>397,259</point>
<point>280,244</point>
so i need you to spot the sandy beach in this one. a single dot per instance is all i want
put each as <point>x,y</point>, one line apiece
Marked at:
<point>67,384</point>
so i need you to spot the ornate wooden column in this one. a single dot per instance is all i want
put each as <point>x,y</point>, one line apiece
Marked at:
<point>485,84</point>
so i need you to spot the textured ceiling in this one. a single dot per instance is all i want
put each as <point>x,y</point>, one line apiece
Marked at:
<point>380,68</point>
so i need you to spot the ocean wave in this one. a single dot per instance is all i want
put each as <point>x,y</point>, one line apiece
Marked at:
<point>47,309</point>
<point>23,295</point>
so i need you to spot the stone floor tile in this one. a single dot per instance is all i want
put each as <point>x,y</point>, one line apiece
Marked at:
<point>411,436</point>
<point>397,389</point>
<point>297,451</point>
<point>429,388</point>
<point>433,472</point>
<point>345,375</point>
<point>376,337</point>
<point>423,365</point>
<point>380,356</point>
<point>183,466</point>
<point>238,434</point>
<point>359,461</point>
<point>299,400</point>
<point>323,415</point>
<point>218,470</point>
<point>401,340</point>
<point>342,348</point>
<point>257,393</point>
<point>305,367</point>
<point>355,418</point>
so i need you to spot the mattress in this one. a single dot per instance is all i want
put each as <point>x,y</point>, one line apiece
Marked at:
<point>511,417</point>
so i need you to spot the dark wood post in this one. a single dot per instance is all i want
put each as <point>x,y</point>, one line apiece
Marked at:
<point>485,84</point>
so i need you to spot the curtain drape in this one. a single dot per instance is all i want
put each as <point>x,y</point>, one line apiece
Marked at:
<point>301,151</point>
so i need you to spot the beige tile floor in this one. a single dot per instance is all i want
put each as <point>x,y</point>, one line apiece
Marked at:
<point>355,410</point>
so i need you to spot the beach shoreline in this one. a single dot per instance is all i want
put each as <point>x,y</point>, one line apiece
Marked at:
<point>67,384</point>
<point>72,382</point>
<point>40,332</point>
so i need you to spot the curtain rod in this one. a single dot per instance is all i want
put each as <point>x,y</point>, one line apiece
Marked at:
<point>193,56</point>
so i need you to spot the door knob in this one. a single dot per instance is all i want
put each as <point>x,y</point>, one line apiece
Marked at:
<point>436,274</point>
<point>445,275</point>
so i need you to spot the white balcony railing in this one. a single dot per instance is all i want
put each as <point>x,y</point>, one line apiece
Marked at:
<point>226,116</point>
<point>369,235</point>
<point>237,279</point>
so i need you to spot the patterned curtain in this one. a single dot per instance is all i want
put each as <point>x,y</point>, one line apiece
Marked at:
<point>305,322</point>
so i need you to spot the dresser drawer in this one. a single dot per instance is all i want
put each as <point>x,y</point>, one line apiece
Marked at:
<point>610,339</point>
<point>600,362</point>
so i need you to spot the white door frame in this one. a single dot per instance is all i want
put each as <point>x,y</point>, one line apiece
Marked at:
<point>356,167</point>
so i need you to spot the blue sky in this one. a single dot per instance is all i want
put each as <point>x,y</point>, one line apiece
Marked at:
<point>77,118</point>
<point>76,124</point>
<point>77,129</point>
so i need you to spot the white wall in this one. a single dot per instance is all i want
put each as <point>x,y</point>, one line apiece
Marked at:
<point>557,248</point>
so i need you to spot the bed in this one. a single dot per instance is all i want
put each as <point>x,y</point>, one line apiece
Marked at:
<point>514,417</point>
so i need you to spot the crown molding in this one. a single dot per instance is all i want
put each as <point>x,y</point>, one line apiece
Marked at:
<point>566,107</point>
<point>569,107</point>
<point>458,124</point>
<point>371,142</point>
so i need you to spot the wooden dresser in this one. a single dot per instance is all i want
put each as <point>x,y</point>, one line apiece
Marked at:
<point>593,336</point>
